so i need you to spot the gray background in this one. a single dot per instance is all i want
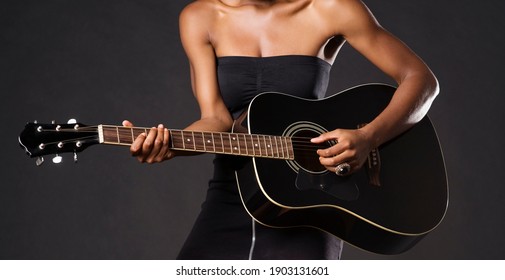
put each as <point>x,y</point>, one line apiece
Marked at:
<point>103,61</point>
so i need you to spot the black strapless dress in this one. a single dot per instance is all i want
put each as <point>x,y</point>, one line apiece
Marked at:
<point>223,229</point>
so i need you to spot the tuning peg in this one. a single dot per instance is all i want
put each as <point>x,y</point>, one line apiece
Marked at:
<point>57,159</point>
<point>75,157</point>
<point>39,161</point>
<point>72,121</point>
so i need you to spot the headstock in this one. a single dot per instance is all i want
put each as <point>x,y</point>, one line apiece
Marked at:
<point>39,140</point>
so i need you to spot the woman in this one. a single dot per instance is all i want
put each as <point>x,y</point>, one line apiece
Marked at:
<point>239,48</point>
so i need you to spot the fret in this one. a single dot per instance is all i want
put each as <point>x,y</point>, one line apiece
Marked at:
<point>282,147</point>
<point>204,143</point>
<point>231,145</point>
<point>198,140</point>
<point>270,146</point>
<point>276,147</point>
<point>290,140</point>
<point>220,143</point>
<point>136,132</point>
<point>182,143</point>
<point>133,136</point>
<point>201,142</point>
<point>258,145</point>
<point>250,145</point>
<point>226,141</point>
<point>254,146</point>
<point>245,145</point>
<point>235,144</point>
<point>237,138</point>
<point>263,145</point>
<point>291,148</point>
<point>176,140</point>
<point>267,146</point>
<point>182,140</point>
<point>208,141</point>
<point>287,147</point>
<point>111,135</point>
<point>193,137</point>
<point>213,142</point>
<point>121,131</point>
<point>188,140</point>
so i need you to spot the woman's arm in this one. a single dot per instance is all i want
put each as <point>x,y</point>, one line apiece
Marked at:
<point>195,20</point>
<point>417,86</point>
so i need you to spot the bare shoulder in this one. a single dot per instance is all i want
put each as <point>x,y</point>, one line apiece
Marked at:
<point>198,11</point>
<point>346,15</point>
<point>195,21</point>
<point>342,7</point>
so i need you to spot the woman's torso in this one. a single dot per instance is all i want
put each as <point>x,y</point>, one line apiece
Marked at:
<point>242,78</point>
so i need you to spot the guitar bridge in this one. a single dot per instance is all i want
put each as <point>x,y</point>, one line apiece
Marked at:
<point>373,165</point>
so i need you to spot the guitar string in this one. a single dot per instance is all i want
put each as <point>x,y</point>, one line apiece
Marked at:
<point>299,149</point>
<point>299,144</point>
<point>303,152</point>
<point>294,139</point>
<point>299,152</point>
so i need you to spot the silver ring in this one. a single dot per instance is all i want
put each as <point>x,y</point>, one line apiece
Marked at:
<point>343,169</point>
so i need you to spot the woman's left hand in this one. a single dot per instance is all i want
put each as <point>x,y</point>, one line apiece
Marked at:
<point>352,147</point>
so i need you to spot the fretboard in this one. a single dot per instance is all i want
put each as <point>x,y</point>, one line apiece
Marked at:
<point>254,145</point>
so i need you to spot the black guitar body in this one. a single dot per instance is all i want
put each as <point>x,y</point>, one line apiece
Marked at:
<point>388,218</point>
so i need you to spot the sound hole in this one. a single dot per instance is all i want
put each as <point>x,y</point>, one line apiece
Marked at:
<point>306,156</point>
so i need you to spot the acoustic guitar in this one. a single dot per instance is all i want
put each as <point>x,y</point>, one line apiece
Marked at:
<point>392,202</point>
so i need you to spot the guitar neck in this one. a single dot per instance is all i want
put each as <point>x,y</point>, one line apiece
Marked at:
<point>241,144</point>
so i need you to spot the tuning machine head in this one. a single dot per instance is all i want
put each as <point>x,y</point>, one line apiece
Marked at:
<point>57,159</point>
<point>39,161</point>
<point>41,139</point>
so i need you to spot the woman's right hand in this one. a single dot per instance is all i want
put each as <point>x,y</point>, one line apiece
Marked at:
<point>153,147</point>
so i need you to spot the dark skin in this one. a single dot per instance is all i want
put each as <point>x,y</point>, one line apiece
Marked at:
<point>260,28</point>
